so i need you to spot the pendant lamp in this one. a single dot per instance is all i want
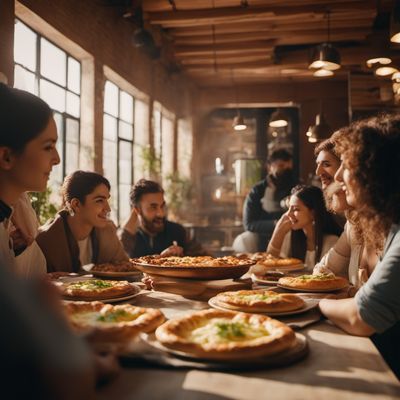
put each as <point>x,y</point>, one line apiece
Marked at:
<point>320,130</point>
<point>278,119</point>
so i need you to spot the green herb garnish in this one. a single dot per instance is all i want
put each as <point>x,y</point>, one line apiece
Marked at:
<point>230,330</point>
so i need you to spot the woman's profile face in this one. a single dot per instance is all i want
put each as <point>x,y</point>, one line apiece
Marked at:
<point>299,214</point>
<point>30,169</point>
<point>349,185</point>
<point>95,209</point>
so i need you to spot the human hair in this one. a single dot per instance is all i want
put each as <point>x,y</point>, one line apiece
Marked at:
<point>327,145</point>
<point>142,187</point>
<point>79,184</point>
<point>371,152</point>
<point>23,116</point>
<point>312,197</point>
<point>279,154</point>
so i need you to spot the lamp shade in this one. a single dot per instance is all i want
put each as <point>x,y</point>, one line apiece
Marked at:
<point>238,123</point>
<point>325,56</point>
<point>278,119</point>
<point>322,72</point>
<point>395,23</point>
<point>320,130</point>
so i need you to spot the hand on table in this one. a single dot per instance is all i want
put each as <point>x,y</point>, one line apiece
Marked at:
<point>173,250</point>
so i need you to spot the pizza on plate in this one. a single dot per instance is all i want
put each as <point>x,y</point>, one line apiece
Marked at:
<point>187,261</point>
<point>224,335</point>
<point>259,301</point>
<point>126,266</point>
<point>108,323</point>
<point>96,289</point>
<point>314,282</point>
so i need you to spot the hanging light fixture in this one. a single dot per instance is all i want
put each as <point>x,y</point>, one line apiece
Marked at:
<point>320,130</point>
<point>322,72</point>
<point>395,23</point>
<point>278,119</point>
<point>325,56</point>
<point>385,71</point>
<point>238,123</point>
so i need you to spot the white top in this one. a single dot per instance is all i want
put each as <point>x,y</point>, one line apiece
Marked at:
<point>344,258</point>
<point>31,261</point>
<point>268,203</point>
<point>328,242</point>
<point>85,250</point>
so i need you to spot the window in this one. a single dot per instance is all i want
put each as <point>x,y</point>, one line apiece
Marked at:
<point>49,72</point>
<point>118,147</point>
<point>185,143</point>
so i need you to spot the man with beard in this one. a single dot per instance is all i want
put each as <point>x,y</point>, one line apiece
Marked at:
<point>262,206</point>
<point>147,230</point>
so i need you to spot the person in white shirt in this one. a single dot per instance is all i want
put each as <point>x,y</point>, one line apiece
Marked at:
<point>306,231</point>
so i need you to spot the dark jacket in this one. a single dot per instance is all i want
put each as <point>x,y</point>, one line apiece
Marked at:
<point>256,219</point>
<point>141,244</point>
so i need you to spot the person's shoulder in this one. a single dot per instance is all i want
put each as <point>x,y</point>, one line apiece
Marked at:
<point>259,187</point>
<point>174,226</point>
<point>52,224</point>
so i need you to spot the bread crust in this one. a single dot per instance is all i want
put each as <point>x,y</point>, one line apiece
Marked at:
<point>100,289</point>
<point>315,282</point>
<point>125,266</point>
<point>109,331</point>
<point>176,334</point>
<point>249,300</point>
<point>199,261</point>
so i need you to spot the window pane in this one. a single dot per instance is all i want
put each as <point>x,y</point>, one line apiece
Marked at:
<point>25,46</point>
<point>111,99</point>
<point>126,107</point>
<point>74,75</point>
<point>125,131</point>
<point>53,62</point>
<point>124,207</point>
<point>72,158</point>
<point>110,172</point>
<point>72,131</point>
<point>157,132</point>
<point>53,95</point>
<point>56,176</point>
<point>24,79</point>
<point>73,104</point>
<point>125,162</point>
<point>110,128</point>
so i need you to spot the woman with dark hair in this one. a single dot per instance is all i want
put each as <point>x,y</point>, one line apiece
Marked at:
<point>28,153</point>
<point>306,231</point>
<point>370,176</point>
<point>81,232</point>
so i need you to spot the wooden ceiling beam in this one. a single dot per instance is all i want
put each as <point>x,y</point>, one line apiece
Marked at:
<point>260,45</point>
<point>363,19</point>
<point>282,37</point>
<point>215,16</point>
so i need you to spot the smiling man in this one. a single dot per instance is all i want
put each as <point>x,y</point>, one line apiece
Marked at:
<point>327,162</point>
<point>147,230</point>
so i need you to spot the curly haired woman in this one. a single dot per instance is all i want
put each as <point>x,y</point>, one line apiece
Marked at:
<point>371,180</point>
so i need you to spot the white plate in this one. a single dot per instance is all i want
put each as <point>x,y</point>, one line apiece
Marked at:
<point>309,305</point>
<point>294,289</point>
<point>110,274</point>
<point>297,351</point>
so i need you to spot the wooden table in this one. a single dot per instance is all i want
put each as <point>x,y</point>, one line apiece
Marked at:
<point>338,367</point>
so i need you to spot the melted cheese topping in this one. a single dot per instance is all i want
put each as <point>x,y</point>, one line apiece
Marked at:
<point>222,330</point>
<point>91,285</point>
<point>316,277</point>
<point>261,297</point>
<point>105,317</point>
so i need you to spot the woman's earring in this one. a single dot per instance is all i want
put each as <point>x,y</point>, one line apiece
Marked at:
<point>71,212</point>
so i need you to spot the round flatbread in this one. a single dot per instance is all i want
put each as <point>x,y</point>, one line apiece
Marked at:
<point>259,301</point>
<point>111,324</point>
<point>214,334</point>
<point>314,282</point>
<point>199,261</point>
<point>96,289</point>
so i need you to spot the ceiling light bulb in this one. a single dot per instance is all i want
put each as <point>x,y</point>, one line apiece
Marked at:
<point>238,123</point>
<point>378,60</point>
<point>385,71</point>
<point>312,139</point>
<point>323,72</point>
